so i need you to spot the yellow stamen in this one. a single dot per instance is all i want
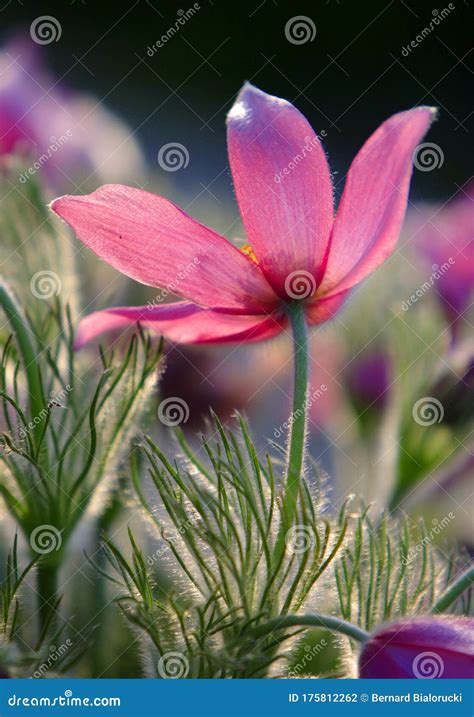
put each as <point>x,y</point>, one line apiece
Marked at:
<point>247,249</point>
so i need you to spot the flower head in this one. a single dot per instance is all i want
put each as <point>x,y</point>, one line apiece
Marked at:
<point>367,379</point>
<point>63,133</point>
<point>422,648</point>
<point>445,240</point>
<point>300,251</point>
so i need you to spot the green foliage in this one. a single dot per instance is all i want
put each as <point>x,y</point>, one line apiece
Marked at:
<point>391,569</point>
<point>218,524</point>
<point>55,461</point>
<point>9,589</point>
<point>66,422</point>
<point>218,520</point>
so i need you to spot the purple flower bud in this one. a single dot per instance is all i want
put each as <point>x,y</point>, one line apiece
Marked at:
<point>420,648</point>
<point>367,379</point>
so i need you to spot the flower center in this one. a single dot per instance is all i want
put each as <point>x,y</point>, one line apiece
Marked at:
<point>248,251</point>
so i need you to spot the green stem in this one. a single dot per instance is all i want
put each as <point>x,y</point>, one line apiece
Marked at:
<point>298,421</point>
<point>47,584</point>
<point>22,330</point>
<point>315,620</point>
<point>454,591</point>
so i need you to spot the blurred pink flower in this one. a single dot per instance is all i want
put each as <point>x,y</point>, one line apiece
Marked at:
<point>61,133</point>
<point>299,250</point>
<point>421,647</point>
<point>446,241</point>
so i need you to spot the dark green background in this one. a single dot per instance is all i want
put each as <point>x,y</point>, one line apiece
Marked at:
<point>348,80</point>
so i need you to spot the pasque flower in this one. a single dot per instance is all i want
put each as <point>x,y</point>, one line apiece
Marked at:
<point>299,251</point>
<point>367,379</point>
<point>444,237</point>
<point>422,648</point>
<point>61,133</point>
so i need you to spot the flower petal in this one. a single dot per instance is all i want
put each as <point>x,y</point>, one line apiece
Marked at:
<point>325,308</point>
<point>181,322</point>
<point>420,647</point>
<point>283,185</point>
<point>151,240</point>
<point>373,204</point>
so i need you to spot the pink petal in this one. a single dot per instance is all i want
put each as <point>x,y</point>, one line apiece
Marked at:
<point>151,240</point>
<point>283,185</point>
<point>373,204</point>
<point>325,308</point>
<point>181,322</point>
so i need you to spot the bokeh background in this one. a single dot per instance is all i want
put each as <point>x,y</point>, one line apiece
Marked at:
<point>346,81</point>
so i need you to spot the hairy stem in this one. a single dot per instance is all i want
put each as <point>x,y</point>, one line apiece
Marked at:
<point>314,620</point>
<point>463,582</point>
<point>298,423</point>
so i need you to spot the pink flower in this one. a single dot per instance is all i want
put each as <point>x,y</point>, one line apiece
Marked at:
<point>299,250</point>
<point>423,648</point>
<point>446,242</point>
<point>61,134</point>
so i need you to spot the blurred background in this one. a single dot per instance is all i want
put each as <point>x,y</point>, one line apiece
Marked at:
<point>346,80</point>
